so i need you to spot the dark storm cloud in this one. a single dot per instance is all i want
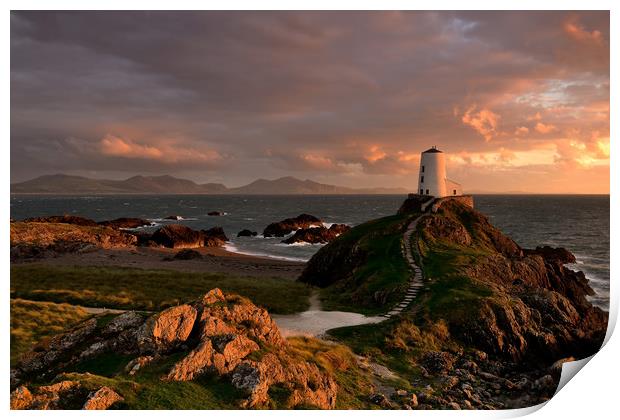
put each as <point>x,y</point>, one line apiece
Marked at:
<point>345,95</point>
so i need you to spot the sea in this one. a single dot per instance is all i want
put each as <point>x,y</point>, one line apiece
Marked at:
<point>579,223</point>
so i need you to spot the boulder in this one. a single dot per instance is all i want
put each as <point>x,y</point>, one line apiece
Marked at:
<point>247,232</point>
<point>187,254</point>
<point>50,397</point>
<point>286,226</point>
<point>178,236</point>
<point>317,235</point>
<point>102,399</point>
<point>225,335</point>
<point>173,217</point>
<point>126,223</point>
<point>168,329</point>
<point>216,213</point>
<point>214,237</point>
<point>21,398</point>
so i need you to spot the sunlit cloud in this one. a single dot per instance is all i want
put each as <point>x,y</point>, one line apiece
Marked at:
<point>545,128</point>
<point>520,131</point>
<point>484,121</point>
<point>172,153</point>
<point>578,32</point>
<point>518,100</point>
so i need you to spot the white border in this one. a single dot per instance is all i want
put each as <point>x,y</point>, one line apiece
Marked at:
<point>592,394</point>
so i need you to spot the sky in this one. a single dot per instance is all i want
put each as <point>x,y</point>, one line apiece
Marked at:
<point>519,101</point>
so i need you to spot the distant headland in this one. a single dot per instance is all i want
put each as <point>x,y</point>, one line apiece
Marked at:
<point>166,184</point>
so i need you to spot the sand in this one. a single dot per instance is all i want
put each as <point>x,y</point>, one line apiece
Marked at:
<point>215,260</point>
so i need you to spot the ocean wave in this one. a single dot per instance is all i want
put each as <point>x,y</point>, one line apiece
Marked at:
<point>298,244</point>
<point>180,219</point>
<point>232,248</point>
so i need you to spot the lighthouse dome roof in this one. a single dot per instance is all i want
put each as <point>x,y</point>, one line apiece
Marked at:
<point>432,150</point>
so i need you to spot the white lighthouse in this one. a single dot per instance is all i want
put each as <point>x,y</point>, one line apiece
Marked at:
<point>432,179</point>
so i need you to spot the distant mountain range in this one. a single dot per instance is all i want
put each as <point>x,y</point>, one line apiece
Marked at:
<point>166,184</point>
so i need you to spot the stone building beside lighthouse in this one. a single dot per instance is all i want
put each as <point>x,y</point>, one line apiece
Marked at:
<point>432,180</point>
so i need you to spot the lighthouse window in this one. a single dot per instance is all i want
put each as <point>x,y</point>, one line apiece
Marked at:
<point>421,191</point>
<point>454,192</point>
<point>426,192</point>
<point>422,179</point>
<point>422,168</point>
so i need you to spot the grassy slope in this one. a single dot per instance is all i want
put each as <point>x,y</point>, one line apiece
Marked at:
<point>449,295</point>
<point>384,269</point>
<point>129,288</point>
<point>34,321</point>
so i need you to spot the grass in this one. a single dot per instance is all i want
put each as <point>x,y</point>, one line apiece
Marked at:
<point>32,322</point>
<point>354,385</point>
<point>138,289</point>
<point>384,269</point>
<point>451,294</point>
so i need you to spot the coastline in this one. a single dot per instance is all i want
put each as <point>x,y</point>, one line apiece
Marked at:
<point>214,260</point>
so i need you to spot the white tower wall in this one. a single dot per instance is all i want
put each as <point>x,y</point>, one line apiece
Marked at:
<point>432,177</point>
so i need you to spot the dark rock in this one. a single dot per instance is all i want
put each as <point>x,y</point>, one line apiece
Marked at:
<point>187,254</point>
<point>316,235</point>
<point>559,255</point>
<point>173,217</point>
<point>247,232</point>
<point>413,204</point>
<point>438,362</point>
<point>216,213</point>
<point>126,223</point>
<point>178,236</point>
<point>381,400</point>
<point>67,219</point>
<point>286,226</point>
<point>214,237</point>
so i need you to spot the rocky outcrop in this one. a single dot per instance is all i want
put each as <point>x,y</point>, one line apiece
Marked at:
<point>560,255</point>
<point>214,237</point>
<point>167,330</point>
<point>173,217</point>
<point>529,306</point>
<point>216,213</point>
<point>180,236</point>
<point>286,226</point>
<point>102,399</point>
<point>126,223</point>
<point>224,335</point>
<point>246,232</point>
<point>64,395</point>
<point>38,239</point>
<point>66,219</point>
<point>177,236</point>
<point>317,235</point>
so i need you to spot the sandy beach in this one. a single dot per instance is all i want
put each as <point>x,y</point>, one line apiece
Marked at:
<point>215,260</point>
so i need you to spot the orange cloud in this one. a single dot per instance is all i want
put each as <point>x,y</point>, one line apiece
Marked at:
<point>116,146</point>
<point>484,121</point>
<point>535,117</point>
<point>375,153</point>
<point>520,131</point>
<point>545,128</point>
<point>577,31</point>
